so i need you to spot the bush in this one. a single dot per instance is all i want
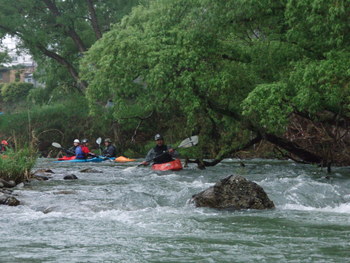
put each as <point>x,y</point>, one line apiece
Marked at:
<point>39,96</point>
<point>57,122</point>
<point>15,91</point>
<point>16,166</point>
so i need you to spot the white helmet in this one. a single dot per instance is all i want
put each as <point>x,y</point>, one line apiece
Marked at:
<point>76,141</point>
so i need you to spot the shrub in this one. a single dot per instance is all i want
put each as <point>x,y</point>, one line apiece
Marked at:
<point>15,91</point>
<point>16,166</point>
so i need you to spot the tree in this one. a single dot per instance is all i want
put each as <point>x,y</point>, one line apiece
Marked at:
<point>239,71</point>
<point>60,30</point>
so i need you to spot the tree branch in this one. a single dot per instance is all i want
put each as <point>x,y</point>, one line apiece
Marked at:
<point>68,29</point>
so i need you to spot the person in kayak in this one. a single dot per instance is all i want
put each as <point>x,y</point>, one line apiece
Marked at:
<point>161,153</point>
<point>82,151</point>
<point>71,151</point>
<point>3,146</point>
<point>110,150</point>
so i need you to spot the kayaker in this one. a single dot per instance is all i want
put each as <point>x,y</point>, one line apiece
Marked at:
<point>3,146</point>
<point>161,153</point>
<point>71,151</point>
<point>110,150</point>
<point>82,151</point>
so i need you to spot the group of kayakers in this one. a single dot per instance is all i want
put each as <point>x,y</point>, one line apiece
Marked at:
<point>80,149</point>
<point>161,153</point>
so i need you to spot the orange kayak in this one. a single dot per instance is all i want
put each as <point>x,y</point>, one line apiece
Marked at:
<point>173,165</point>
<point>122,159</point>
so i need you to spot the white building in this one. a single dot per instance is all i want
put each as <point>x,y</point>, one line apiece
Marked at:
<point>18,57</point>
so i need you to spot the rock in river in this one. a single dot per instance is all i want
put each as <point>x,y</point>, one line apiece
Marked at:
<point>8,200</point>
<point>233,192</point>
<point>70,177</point>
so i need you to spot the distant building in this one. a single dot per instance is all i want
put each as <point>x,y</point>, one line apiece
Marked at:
<point>22,65</point>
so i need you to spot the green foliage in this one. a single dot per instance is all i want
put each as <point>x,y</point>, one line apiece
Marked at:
<point>15,91</point>
<point>57,33</point>
<point>39,96</point>
<point>4,58</point>
<point>185,61</point>
<point>318,26</point>
<point>318,81</point>
<point>267,106</point>
<point>16,166</point>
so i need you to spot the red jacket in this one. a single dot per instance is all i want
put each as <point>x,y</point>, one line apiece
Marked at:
<point>85,150</point>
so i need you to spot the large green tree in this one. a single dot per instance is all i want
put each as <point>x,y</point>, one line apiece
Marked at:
<point>238,70</point>
<point>60,31</point>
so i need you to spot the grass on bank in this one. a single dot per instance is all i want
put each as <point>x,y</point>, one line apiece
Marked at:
<point>17,165</point>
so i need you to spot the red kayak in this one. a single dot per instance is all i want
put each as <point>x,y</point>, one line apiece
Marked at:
<point>173,165</point>
<point>66,158</point>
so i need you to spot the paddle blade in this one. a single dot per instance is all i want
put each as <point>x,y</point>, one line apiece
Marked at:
<point>99,140</point>
<point>57,145</point>
<point>189,142</point>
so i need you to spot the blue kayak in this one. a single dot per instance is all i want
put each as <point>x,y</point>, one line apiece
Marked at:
<point>90,160</point>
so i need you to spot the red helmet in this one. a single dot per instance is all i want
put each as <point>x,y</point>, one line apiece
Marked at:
<point>4,142</point>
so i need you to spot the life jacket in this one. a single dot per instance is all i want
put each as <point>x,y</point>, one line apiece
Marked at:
<point>110,151</point>
<point>79,154</point>
<point>85,150</point>
<point>163,155</point>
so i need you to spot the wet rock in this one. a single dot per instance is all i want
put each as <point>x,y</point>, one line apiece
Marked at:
<point>90,170</point>
<point>70,177</point>
<point>65,192</point>
<point>40,177</point>
<point>48,210</point>
<point>9,200</point>
<point>8,184</point>
<point>42,174</point>
<point>233,192</point>
<point>43,171</point>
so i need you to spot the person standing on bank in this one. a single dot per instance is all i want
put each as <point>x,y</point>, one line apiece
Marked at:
<point>110,150</point>
<point>161,153</point>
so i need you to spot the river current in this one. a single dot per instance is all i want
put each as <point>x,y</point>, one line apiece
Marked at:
<point>125,213</point>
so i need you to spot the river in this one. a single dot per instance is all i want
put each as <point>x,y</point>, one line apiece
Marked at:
<point>127,213</point>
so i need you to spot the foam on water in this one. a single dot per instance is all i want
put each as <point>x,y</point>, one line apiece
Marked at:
<point>131,214</point>
<point>341,208</point>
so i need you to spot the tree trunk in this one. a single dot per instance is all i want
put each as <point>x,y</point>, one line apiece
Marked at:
<point>94,20</point>
<point>68,29</point>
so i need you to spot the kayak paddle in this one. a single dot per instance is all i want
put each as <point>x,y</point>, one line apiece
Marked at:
<point>98,141</point>
<point>57,145</point>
